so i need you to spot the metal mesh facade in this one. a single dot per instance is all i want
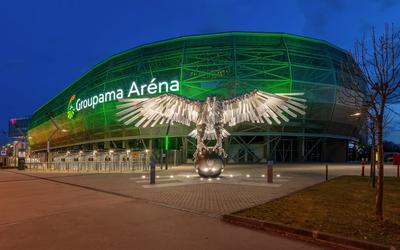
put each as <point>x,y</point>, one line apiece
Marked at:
<point>225,65</point>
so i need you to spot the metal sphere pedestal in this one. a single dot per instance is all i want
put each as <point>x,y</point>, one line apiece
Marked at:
<point>209,164</point>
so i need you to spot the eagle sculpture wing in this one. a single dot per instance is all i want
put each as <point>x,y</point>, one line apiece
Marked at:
<point>260,107</point>
<point>166,108</point>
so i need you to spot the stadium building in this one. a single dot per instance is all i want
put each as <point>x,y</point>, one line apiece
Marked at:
<point>82,118</point>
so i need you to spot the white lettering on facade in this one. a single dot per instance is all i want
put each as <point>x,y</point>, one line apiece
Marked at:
<point>144,89</point>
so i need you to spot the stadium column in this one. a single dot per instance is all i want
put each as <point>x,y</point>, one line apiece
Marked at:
<point>324,151</point>
<point>184,149</point>
<point>300,148</point>
<point>267,149</point>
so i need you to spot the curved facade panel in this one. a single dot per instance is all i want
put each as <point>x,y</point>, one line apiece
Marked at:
<point>224,65</point>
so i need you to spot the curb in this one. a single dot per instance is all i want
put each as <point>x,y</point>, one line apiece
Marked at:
<point>304,234</point>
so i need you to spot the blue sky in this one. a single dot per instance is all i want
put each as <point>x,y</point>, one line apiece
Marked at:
<point>45,45</point>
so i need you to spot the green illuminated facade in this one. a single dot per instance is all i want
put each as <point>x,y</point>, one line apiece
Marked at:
<point>225,65</point>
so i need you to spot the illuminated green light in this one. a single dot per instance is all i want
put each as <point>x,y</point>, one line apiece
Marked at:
<point>166,142</point>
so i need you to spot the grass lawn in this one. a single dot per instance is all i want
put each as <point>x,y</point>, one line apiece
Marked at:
<point>344,206</point>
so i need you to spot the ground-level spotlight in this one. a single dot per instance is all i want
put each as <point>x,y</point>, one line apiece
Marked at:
<point>247,176</point>
<point>263,175</point>
<point>143,176</point>
<point>187,176</point>
<point>209,179</point>
<point>171,176</point>
<point>231,175</point>
<point>157,176</point>
<point>218,178</point>
<point>278,175</point>
<point>201,179</point>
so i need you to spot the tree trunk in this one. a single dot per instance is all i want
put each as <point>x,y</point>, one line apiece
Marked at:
<point>379,191</point>
<point>373,157</point>
<point>373,161</point>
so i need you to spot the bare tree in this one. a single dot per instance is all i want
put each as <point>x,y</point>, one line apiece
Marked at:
<point>373,83</point>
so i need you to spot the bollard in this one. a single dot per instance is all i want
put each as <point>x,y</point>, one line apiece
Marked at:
<point>270,171</point>
<point>152,172</point>
<point>326,172</point>
<point>362,167</point>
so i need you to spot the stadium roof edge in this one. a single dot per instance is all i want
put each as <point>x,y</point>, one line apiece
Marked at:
<point>189,37</point>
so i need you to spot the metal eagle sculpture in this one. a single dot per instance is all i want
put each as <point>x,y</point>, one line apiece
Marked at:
<point>210,116</point>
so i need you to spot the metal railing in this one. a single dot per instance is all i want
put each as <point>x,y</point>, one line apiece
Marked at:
<point>93,161</point>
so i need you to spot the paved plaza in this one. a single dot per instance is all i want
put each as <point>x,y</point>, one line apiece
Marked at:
<point>122,211</point>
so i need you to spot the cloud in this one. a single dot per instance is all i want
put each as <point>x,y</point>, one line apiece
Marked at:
<point>318,14</point>
<point>387,4</point>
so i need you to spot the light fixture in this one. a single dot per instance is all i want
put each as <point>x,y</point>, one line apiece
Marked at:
<point>64,130</point>
<point>356,114</point>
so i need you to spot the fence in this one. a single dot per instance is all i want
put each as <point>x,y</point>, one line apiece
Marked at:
<point>123,161</point>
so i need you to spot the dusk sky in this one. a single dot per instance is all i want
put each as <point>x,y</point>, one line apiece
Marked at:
<point>46,45</point>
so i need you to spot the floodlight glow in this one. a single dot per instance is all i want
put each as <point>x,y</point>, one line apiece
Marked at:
<point>247,176</point>
<point>231,175</point>
<point>278,175</point>
<point>263,175</point>
<point>171,176</point>
<point>143,176</point>
<point>157,176</point>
